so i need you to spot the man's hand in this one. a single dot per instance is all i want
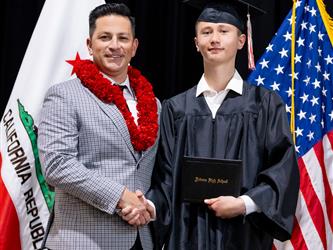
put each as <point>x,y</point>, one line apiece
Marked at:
<point>129,198</point>
<point>226,207</point>
<point>134,208</point>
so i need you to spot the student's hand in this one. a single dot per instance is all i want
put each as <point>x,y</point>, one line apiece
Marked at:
<point>134,216</point>
<point>149,207</point>
<point>226,207</point>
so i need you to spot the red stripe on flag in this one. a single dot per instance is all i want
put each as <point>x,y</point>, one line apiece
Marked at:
<point>319,150</point>
<point>312,202</point>
<point>274,248</point>
<point>330,138</point>
<point>297,238</point>
<point>9,224</point>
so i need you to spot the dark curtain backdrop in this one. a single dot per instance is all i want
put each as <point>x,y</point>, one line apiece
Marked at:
<point>165,29</point>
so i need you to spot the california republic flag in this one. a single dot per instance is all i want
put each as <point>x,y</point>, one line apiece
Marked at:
<point>25,198</point>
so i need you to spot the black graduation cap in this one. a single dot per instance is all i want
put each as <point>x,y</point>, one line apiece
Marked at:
<point>226,11</point>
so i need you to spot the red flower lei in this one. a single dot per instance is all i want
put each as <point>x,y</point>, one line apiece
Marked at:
<point>142,135</point>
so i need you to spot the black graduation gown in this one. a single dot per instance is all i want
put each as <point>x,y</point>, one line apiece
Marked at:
<point>252,127</point>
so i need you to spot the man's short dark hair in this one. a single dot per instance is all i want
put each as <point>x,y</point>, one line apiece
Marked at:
<point>109,9</point>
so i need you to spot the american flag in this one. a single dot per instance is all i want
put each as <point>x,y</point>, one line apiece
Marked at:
<point>313,60</point>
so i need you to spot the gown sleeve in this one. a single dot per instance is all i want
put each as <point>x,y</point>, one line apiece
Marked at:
<point>277,185</point>
<point>161,187</point>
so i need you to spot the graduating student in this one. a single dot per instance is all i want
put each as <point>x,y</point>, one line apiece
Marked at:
<point>224,117</point>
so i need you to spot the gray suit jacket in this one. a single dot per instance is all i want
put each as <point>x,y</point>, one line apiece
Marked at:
<point>87,156</point>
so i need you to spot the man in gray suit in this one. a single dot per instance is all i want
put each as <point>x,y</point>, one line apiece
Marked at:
<point>98,142</point>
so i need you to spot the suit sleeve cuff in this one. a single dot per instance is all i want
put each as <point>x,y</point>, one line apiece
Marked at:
<point>117,192</point>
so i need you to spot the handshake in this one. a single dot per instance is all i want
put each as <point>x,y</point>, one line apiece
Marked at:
<point>135,209</point>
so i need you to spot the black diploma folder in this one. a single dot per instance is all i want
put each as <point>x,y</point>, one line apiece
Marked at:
<point>204,178</point>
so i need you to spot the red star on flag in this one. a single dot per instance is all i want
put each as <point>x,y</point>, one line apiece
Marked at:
<point>75,62</point>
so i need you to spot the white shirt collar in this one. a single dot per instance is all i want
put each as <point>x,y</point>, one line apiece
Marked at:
<point>124,83</point>
<point>235,84</point>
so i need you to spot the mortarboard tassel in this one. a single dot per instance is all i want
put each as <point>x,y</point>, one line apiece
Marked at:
<point>250,56</point>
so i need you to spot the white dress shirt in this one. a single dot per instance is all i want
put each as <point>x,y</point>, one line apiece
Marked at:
<point>214,100</point>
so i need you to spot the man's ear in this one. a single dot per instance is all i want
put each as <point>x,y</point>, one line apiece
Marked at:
<point>89,46</point>
<point>135,46</point>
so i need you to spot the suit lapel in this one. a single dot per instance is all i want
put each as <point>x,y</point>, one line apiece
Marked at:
<point>117,118</point>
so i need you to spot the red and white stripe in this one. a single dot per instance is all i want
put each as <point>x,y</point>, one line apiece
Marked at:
<point>10,229</point>
<point>314,216</point>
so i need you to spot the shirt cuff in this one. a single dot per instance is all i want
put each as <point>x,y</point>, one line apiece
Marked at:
<point>250,205</point>
<point>154,214</point>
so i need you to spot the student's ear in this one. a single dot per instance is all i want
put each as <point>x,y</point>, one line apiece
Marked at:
<point>196,44</point>
<point>241,41</point>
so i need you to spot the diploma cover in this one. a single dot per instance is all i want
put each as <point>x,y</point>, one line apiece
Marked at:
<point>204,178</point>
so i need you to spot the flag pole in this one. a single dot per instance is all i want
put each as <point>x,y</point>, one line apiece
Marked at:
<point>292,115</point>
